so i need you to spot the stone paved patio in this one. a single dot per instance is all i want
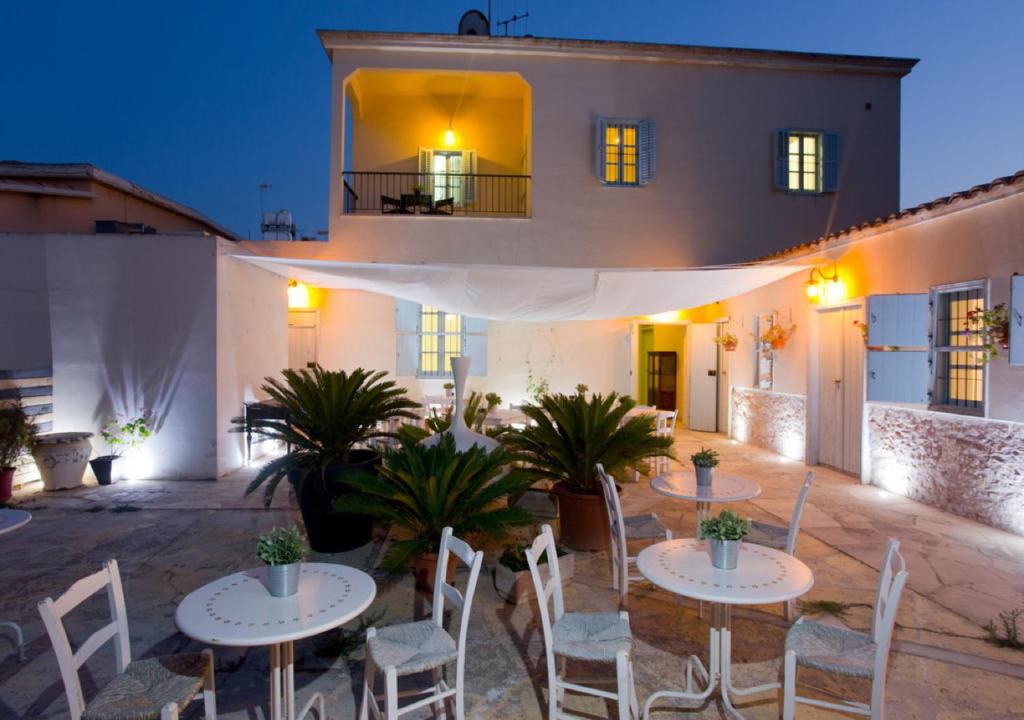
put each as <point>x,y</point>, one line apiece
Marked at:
<point>173,537</point>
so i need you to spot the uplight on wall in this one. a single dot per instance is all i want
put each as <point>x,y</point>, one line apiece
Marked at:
<point>298,295</point>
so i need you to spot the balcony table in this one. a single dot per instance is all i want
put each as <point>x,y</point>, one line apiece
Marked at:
<point>238,611</point>
<point>762,576</point>
<point>11,520</point>
<point>682,485</point>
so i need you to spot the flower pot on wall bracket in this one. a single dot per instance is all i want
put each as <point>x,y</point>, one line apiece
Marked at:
<point>778,344</point>
<point>729,346</point>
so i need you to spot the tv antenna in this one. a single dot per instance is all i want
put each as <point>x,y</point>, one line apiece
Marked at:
<point>263,189</point>
<point>503,24</point>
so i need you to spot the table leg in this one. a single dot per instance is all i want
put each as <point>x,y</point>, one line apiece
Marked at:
<point>282,686</point>
<point>703,511</point>
<point>708,675</point>
<point>275,682</point>
<point>721,616</point>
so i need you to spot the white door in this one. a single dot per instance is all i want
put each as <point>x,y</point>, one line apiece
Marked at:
<point>303,338</point>
<point>702,377</point>
<point>840,389</point>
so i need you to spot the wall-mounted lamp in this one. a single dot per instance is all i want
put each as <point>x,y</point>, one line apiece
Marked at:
<point>825,288</point>
<point>298,295</point>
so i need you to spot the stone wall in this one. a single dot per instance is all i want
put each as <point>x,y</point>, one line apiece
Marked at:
<point>971,467</point>
<point>771,420</point>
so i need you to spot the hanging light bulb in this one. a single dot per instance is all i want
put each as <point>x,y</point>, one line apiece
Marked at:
<point>449,137</point>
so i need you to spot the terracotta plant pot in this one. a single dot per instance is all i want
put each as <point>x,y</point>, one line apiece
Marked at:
<point>424,568</point>
<point>729,346</point>
<point>583,520</point>
<point>6,483</point>
<point>778,344</point>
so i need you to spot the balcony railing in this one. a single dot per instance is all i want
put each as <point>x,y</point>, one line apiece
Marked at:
<point>398,193</point>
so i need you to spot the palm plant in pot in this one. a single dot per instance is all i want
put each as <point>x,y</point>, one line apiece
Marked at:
<point>122,434</point>
<point>17,433</point>
<point>422,489</point>
<point>725,533</point>
<point>331,417</point>
<point>283,550</point>
<point>568,436</point>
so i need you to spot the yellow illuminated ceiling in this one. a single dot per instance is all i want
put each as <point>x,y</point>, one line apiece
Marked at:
<point>419,83</point>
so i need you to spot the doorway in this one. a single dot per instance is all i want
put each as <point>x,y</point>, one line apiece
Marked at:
<point>702,377</point>
<point>662,367</point>
<point>840,388</point>
<point>303,338</point>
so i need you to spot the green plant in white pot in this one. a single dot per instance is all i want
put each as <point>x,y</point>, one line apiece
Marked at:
<point>283,549</point>
<point>704,463</point>
<point>725,533</point>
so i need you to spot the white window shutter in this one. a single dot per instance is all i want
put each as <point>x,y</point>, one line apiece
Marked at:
<point>426,169</point>
<point>476,344</point>
<point>469,183</point>
<point>898,320</point>
<point>898,376</point>
<point>407,330</point>
<point>599,151</point>
<point>830,163</point>
<point>781,145</point>
<point>647,151</point>
<point>1016,355</point>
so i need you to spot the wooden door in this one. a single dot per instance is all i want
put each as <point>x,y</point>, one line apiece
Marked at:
<point>661,379</point>
<point>702,377</point>
<point>303,338</point>
<point>840,389</point>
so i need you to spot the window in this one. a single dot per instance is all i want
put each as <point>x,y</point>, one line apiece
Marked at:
<point>625,152</point>
<point>441,338</point>
<point>806,161</point>
<point>427,338</point>
<point>958,366</point>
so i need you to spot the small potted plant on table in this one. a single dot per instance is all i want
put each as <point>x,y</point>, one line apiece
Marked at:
<point>512,573</point>
<point>122,434</point>
<point>449,389</point>
<point>16,434</point>
<point>725,533</point>
<point>283,549</point>
<point>704,463</point>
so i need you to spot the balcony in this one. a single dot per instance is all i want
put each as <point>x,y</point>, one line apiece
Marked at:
<point>436,194</point>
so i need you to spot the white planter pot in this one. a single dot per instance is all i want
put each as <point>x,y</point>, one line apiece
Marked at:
<point>517,587</point>
<point>465,438</point>
<point>62,458</point>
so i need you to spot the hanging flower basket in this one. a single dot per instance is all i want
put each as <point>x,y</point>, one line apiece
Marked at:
<point>777,335</point>
<point>778,343</point>
<point>728,341</point>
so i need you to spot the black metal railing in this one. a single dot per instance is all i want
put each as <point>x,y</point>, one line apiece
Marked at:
<point>409,193</point>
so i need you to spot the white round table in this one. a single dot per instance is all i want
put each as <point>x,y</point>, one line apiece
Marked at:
<point>238,611</point>
<point>11,520</point>
<point>682,485</point>
<point>762,576</point>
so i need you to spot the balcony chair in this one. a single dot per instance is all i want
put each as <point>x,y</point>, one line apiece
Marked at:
<point>150,689</point>
<point>842,651</point>
<point>624,529</point>
<point>592,637</point>
<point>391,206</point>
<point>424,645</point>
<point>782,538</point>
<point>444,207</point>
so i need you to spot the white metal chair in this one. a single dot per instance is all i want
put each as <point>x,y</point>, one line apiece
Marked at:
<point>592,637</point>
<point>424,645</point>
<point>666,427</point>
<point>848,652</point>
<point>624,529</point>
<point>149,689</point>
<point>782,538</point>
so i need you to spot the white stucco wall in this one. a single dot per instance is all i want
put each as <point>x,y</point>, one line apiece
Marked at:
<point>358,330</point>
<point>24,303</point>
<point>132,320</point>
<point>251,343</point>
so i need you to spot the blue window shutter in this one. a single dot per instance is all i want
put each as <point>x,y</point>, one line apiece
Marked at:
<point>599,151</point>
<point>830,163</point>
<point>407,340</point>
<point>781,143</point>
<point>476,344</point>
<point>647,148</point>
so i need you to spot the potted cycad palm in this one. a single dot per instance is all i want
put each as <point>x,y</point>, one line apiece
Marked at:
<point>331,417</point>
<point>568,436</point>
<point>422,489</point>
<point>16,434</point>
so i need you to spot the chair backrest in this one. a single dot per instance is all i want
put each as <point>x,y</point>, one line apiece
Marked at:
<point>451,545</point>
<point>544,544</point>
<point>69,661</point>
<point>891,580</point>
<point>617,545</point>
<point>667,423</point>
<point>798,510</point>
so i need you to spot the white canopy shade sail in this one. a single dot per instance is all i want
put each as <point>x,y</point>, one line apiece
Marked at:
<point>533,293</point>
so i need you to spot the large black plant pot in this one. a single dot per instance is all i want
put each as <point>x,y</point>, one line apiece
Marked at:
<point>330,531</point>
<point>103,468</point>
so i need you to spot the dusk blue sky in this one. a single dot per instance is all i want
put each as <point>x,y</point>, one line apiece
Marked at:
<point>203,101</point>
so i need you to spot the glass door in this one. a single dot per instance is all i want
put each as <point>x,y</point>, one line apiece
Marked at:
<point>448,176</point>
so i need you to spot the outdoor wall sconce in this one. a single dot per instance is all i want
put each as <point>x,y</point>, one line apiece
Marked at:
<point>824,288</point>
<point>298,295</point>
